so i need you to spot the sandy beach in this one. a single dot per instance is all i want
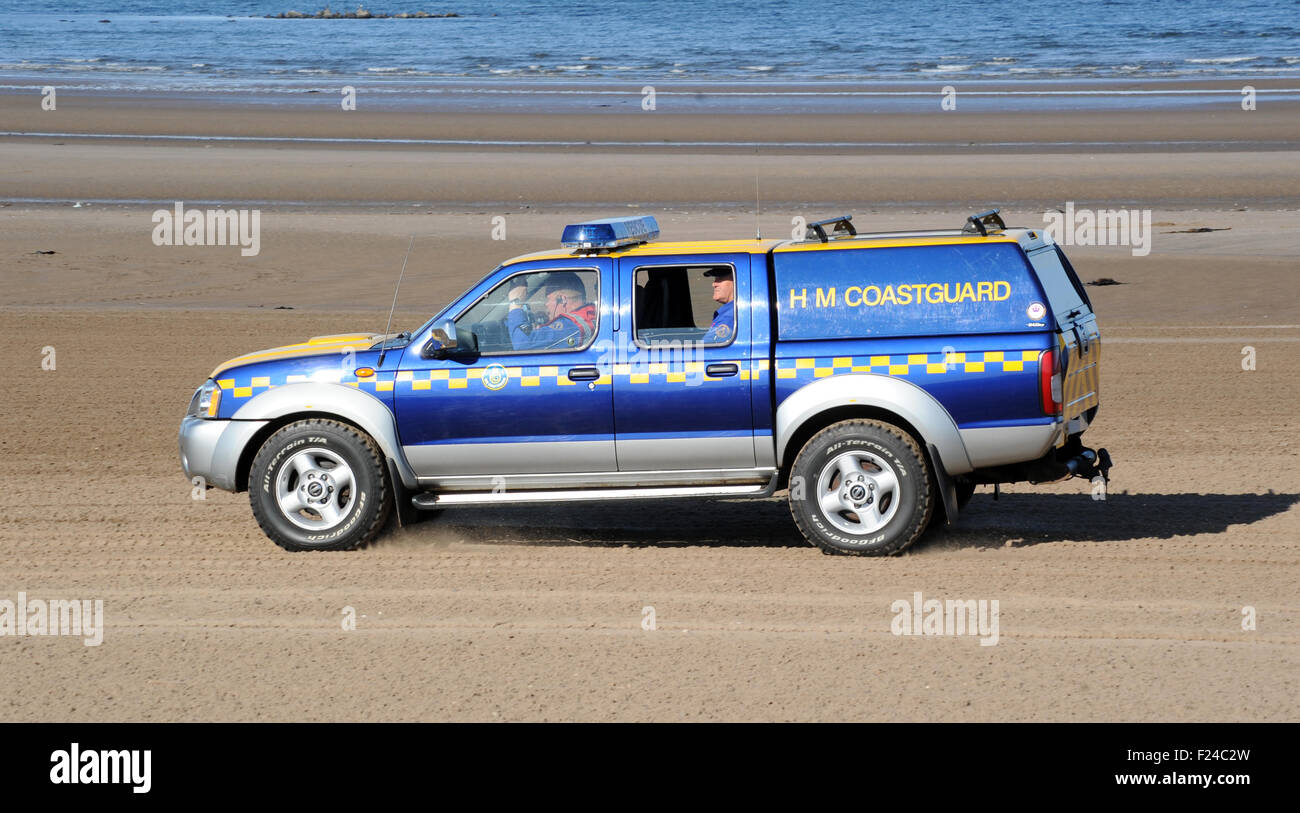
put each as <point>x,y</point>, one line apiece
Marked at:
<point>1195,114</point>
<point>1128,609</point>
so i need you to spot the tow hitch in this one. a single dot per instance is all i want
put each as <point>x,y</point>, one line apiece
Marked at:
<point>1088,464</point>
<point>1072,460</point>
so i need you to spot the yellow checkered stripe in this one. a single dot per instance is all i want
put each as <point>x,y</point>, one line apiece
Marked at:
<point>247,388</point>
<point>459,379</point>
<point>657,372</point>
<point>1009,361</point>
<point>680,372</point>
<point>548,376</point>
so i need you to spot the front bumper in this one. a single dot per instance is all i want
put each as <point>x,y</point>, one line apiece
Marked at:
<point>211,448</point>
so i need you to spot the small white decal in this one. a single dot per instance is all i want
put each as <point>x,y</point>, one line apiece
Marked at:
<point>495,376</point>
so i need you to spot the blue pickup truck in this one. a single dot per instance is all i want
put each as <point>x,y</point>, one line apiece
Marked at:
<point>878,378</point>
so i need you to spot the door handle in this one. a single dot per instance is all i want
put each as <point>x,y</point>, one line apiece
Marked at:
<point>720,370</point>
<point>584,374</point>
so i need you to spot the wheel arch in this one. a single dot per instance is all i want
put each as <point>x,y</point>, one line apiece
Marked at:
<point>868,395</point>
<point>290,403</point>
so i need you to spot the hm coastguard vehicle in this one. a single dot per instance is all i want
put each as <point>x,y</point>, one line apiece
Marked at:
<point>878,377</point>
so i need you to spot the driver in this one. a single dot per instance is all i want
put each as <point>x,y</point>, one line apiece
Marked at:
<point>571,320</point>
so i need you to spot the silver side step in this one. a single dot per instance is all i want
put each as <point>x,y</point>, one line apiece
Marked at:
<point>430,501</point>
<point>575,481</point>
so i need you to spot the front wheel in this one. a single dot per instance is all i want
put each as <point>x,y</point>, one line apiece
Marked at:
<point>861,487</point>
<point>319,485</point>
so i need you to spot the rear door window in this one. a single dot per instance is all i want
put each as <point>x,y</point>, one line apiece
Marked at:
<point>1064,292</point>
<point>682,304</point>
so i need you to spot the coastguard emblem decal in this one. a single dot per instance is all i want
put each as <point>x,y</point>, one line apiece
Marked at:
<point>495,376</point>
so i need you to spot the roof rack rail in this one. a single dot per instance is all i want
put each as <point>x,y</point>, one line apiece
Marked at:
<point>840,223</point>
<point>979,223</point>
<point>908,233</point>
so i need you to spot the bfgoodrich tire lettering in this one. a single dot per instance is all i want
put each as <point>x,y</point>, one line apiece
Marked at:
<point>861,487</point>
<point>319,485</point>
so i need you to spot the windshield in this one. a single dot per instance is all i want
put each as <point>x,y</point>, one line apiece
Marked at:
<point>443,314</point>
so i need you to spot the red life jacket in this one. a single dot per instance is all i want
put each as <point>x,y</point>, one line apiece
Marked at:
<point>584,318</point>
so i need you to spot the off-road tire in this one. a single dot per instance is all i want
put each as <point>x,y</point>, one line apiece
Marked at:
<point>371,498</point>
<point>884,442</point>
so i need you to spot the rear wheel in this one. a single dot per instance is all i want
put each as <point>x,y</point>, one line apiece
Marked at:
<point>319,485</point>
<point>861,487</point>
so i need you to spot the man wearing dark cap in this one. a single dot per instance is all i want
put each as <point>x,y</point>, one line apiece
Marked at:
<point>571,320</point>
<point>724,318</point>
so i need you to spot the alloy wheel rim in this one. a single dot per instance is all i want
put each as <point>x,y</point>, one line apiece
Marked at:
<point>315,489</point>
<point>858,492</point>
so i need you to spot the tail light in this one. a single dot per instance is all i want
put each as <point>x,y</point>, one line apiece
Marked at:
<point>1049,381</point>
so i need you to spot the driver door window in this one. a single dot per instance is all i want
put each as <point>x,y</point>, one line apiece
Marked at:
<point>537,311</point>
<point>533,399</point>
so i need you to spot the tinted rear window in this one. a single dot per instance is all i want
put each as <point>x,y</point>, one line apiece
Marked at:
<point>1064,292</point>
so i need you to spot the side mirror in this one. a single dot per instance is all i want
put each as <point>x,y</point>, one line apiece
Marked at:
<point>442,342</point>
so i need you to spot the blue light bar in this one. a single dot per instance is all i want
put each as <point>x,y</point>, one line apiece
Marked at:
<point>610,233</point>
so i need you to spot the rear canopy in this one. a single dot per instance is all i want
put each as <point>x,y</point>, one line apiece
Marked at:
<point>982,287</point>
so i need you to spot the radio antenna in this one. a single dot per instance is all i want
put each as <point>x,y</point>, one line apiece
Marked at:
<point>383,350</point>
<point>758,226</point>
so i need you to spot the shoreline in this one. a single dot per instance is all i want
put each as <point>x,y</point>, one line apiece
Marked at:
<point>254,124</point>
<point>702,97</point>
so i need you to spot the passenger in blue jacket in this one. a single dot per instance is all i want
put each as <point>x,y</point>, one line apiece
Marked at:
<point>724,318</point>
<point>571,320</point>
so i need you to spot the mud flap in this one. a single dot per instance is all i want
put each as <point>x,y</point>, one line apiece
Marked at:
<point>407,514</point>
<point>947,488</point>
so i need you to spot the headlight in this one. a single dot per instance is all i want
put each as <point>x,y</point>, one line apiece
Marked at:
<point>206,400</point>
